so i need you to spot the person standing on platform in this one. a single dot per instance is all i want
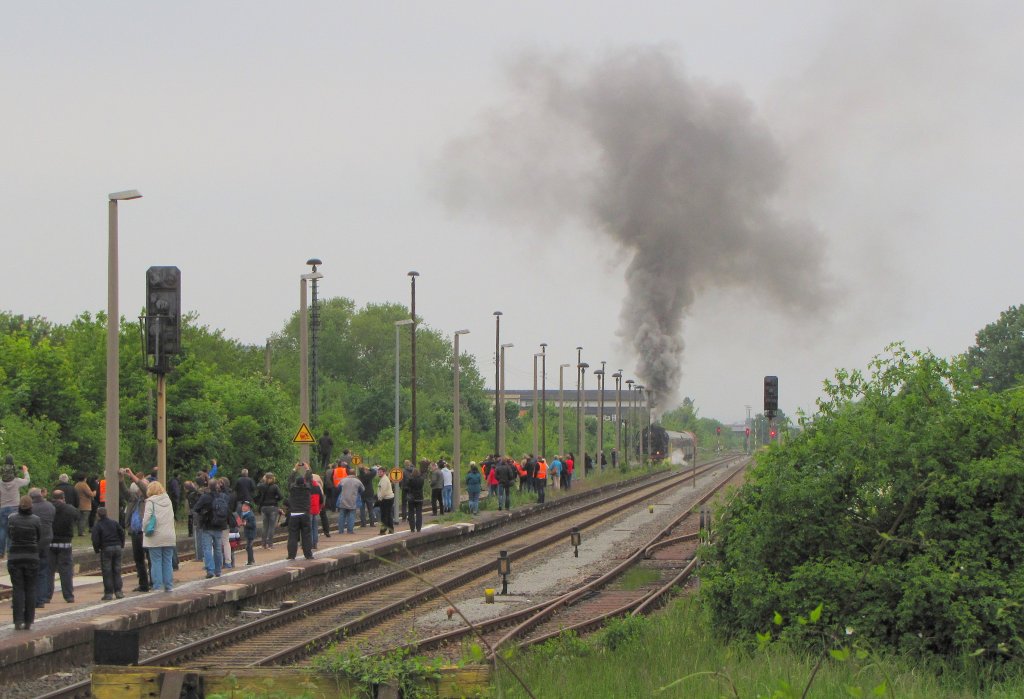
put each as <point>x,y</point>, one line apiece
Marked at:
<point>160,538</point>
<point>245,489</point>
<point>133,516</point>
<point>506,476</point>
<point>25,536</point>
<point>446,488</point>
<point>556,472</point>
<point>268,498</point>
<point>10,494</point>
<point>474,484</point>
<point>348,502</point>
<point>59,555</point>
<point>212,513</point>
<point>324,447</point>
<point>414,491</point>
<point>316,506</point>
<point>298,516</point>
<point>64,486</point>
<point>403,486</point>
<point>540,478</point>
<point>108,541</point>
<point>436,490</point>
<point>386,499</point>
<point>368,497</point>
<point>46,512</point>
<point>248,531</point>
<point>85,496</point>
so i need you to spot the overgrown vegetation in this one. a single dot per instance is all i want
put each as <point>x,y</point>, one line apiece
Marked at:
<point>900,508</point>
<point>399,668</point>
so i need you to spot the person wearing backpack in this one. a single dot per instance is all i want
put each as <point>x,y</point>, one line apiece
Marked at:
<point>212,511</point>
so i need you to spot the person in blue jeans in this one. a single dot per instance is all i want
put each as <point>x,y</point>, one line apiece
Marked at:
<point>349,491</point>
<point>212,532</point>
<point>474,484</point>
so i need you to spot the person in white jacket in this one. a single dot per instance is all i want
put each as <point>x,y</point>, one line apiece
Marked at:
<point>162,540</point>
<point>386,501</point>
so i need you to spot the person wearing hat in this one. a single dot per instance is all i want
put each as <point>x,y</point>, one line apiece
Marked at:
<point>10,492</point>
<point>26,535</point>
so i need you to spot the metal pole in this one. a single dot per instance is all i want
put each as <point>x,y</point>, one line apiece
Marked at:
<point>303,367</point>
<point>618,412</point>
<point>266,357</point>
<point>629,417</point>
<point>161,428</point>
<point>599,373</point>
<point>543,399</point>
<point>314,392</point>
<point>582,458</point>
<point>534,453</point>
<point>412,315</point>
<point>398,348</point>
<point>561,410</point>
<point>501,389</point>
<point>497,378</point>
<point>112,461</point>
<point>457,437</point>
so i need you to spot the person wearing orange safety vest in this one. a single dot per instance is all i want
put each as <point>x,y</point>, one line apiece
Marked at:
<point>521,471</point>
<point>540,478</point>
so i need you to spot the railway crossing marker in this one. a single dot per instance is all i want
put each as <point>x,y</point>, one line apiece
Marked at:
<point>396,474</point>
<point>303,436</point>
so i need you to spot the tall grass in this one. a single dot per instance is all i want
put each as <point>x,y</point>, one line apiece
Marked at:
<point>639,658</point>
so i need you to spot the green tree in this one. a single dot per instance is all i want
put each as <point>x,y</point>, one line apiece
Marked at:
<point>898,508</point>
<point>998,354</point>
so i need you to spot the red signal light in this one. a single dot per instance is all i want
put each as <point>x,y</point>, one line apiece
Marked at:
<point>773,433</point>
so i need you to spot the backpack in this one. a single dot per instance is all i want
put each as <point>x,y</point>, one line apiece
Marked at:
<point>219,511</point>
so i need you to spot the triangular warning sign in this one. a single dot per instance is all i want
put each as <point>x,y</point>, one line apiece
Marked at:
<point>304,436</point>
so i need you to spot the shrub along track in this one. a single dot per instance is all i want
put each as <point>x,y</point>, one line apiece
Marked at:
<point>293,634</point>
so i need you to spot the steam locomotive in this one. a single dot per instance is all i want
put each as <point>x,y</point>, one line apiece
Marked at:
<point>678,447</point>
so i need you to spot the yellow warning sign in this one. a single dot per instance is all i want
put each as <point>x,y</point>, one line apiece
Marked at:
<point>396,474</point>
<point>303,436</point>
<point>357,460</point>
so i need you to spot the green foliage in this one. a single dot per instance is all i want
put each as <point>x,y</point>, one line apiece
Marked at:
<point>998,354</point>
<point>899,507</point>
<point>622,631</point>
<point>410,672</point>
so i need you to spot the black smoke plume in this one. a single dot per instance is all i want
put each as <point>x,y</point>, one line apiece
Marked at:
<point>680,173</point>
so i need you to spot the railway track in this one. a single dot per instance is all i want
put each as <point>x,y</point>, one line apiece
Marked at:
<point>291,635</point>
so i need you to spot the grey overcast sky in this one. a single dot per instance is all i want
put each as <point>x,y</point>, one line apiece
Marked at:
<point>262,134</point>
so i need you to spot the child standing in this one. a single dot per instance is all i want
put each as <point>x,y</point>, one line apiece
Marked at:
<point>249,530</point>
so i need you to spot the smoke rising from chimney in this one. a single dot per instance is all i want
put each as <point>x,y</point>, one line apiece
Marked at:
<point>680,173</point>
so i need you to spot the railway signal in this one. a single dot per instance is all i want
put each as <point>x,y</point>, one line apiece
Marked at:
<point>163,315</point>
<point>771,395</point>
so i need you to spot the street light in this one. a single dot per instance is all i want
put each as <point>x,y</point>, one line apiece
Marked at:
<point>561,410</point>
<point>543,399</point>
<point>629,415</point>
<point>398,346</point>
<point>314,393</point>
<point>304,359</point>
<point>639,432</point>
<point>457,446</point>
<point>535,453</point>
<point>412,314</point>
<point>112,460</point>
<point>581,424</point>
<point>599,456</point>
<point>618,415</point>
<point>497,392</point>
<point>501,400</point>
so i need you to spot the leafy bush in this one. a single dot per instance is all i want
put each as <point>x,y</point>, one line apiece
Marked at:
<point>900,507</point>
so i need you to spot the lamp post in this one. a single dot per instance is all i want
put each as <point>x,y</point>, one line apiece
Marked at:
<point>398,347</point>
<point>457,431</point>
<point>629,415</point>
<point>501,389</point>
<point>304,359</point>
<point>112,460</point>
<point>618,413</point>
<point>599,455</point>
<point>535,453</point>
<point>561,410</point>
<point>412,314</point>
<point>639,432</point>
<point>497,377</point>
<point>314,388</point>
<point>543,400</point>
<point>581,423</point>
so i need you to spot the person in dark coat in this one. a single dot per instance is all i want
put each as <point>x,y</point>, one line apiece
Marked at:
<point>25,533</point>
<point>298,516</point>
<point>65,486</point>
<point>45,511</point>
<point>108,541</point>
<point>64,521</point>
<point>245,490</point>
<point>414,493</point>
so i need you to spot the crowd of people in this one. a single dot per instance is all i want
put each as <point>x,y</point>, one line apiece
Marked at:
<point>37,528</point>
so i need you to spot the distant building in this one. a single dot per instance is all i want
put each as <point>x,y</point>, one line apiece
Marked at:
<point>591,400</point>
